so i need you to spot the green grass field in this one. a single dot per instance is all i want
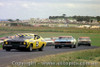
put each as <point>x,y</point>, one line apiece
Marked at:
<point>0,45</point>
<point>94,34</point>
<point>48,29</point>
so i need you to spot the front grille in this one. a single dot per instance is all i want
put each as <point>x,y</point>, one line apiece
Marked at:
<point>84,41</point>
<point>16,43</point>
<point>62,42</point>
<point>68,42</point>
<point>13,43</point>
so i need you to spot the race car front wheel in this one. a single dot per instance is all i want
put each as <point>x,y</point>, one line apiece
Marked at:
<point>75,46</point>
<point>60,46</point>
<point>8,49</point>
<point>30,48</point>
<point>56,46</point>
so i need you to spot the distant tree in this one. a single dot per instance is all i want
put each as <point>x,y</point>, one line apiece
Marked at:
<point>98,18</point>
<point>87,18</point>
<point>79,18</point>
<point>64,15</point>
<point>10,20</point>
<point>75,17</point>
<point>17,20</point>
<point>82,18</point>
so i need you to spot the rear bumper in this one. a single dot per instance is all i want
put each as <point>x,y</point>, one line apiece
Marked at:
<point>13,46</point>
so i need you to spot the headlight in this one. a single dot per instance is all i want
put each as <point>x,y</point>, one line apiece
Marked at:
<point>24,43</point>
<point>6,42</point>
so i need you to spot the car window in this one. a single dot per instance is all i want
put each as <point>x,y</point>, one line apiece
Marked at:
<point>36,37</point>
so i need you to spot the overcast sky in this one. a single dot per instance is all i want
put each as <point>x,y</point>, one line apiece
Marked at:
<point>25,9</point>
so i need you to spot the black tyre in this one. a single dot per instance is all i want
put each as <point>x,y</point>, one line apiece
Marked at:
<point>75,46</point>
<point>71,46</point>
<point>60,46</point>
<point>8,49</point>
<point>78,44</point>
<point>56,47</point>
<point>41,49</point>
<point>89,44</point>
<point>30,48</point>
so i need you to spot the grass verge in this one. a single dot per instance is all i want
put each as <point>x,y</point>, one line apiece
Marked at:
<point>0,45</point>
<point>83,58</point>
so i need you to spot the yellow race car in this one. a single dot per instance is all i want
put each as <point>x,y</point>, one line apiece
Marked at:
<point>26,41</point>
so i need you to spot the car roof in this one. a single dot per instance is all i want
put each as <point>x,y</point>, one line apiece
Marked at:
<point>84,37</point>
<point>65,36</point>
<point>26,34</point>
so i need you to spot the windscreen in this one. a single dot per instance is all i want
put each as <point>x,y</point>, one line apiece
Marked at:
<point>84,39</point>
<point>66,38</point>
<point>23,36</point>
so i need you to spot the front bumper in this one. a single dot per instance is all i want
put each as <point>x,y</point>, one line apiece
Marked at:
<point>84,43</point>
<point>14,46</point>
<point>64,44</point>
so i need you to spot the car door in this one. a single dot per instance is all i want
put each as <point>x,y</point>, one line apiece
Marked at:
<point>37,41</point>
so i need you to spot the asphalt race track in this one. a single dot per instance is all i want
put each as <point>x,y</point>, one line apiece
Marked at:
<point>6,58</point>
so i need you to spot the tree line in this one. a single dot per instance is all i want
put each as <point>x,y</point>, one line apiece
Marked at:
<point>11,20</point>
<point>86,18</point>
<point>78,18</point>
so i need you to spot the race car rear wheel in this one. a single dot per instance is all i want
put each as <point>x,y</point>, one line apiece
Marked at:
<point>89,44</point>
<point>41,49</point>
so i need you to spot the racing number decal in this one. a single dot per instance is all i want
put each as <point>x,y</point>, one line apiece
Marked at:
<point>37,43</point>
